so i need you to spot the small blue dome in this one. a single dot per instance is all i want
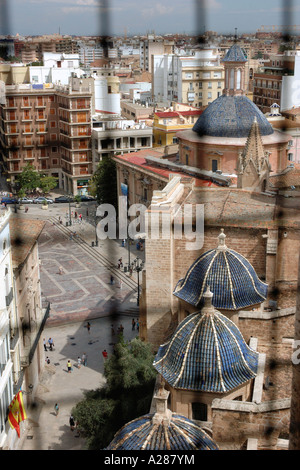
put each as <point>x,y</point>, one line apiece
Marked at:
<point>206,353</point>
<point>231,116</point>
<point>144,433</point>
<point>231,278</point>
<point>235,54</point>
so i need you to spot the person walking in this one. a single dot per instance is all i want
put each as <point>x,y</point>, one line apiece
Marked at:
<point>88,325</point>
<point>56,409</point>
<point>84,359</point>
<point>72,423</point>
<point>45,344</point>
<point>69,366</point>
<point>112,280</point>
<point>51,344</point>
<point>121,284</point>
<point>104,354</point>
<point>133,324</point>
<point>78,362</point>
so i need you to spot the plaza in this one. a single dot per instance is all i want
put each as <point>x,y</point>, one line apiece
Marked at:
<point>76,281</point>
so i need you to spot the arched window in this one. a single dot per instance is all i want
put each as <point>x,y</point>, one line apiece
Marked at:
<point>238,79</point>
<point>231,86</point>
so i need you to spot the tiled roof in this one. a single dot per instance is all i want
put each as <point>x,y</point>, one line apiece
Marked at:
<point>206,353</point>
<point>231,116</point>
<point>23,233</point>
<point>289,177</point>
<point>235,54</point>
<point>231,278</point>
<point>165,114</point>
<point>139,159</point>
<point>145,434</point>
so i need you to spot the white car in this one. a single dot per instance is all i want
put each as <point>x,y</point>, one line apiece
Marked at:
<point>25,200</point>
<point>40,200</point>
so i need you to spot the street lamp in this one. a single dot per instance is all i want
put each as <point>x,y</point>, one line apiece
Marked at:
<point>138,266</point>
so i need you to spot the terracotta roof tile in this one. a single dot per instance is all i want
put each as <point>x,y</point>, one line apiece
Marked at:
<point>24,233</point>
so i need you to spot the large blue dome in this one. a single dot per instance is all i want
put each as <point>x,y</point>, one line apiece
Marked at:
<point>231,116</point>
<point>145,433</point>
<point>231,278</point>
<point>206,353</point>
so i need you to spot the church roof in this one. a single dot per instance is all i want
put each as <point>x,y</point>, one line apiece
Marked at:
<point>231,116</point>
<point>206,353</point>
<point>235,54</point>
<point>231,278</point>
<point>144,433</point>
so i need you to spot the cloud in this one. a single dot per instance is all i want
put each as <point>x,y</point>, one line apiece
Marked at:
<point>155,10</point>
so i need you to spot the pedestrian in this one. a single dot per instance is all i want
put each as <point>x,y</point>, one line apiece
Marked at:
<point>72,423</point>
<point>84,359</point>
<point>47,360</point>
<point>75,215</point>
<point>123,242</point>
<point>121,328</point>
<point>60,270</point>
<point>137,325</point>
<point>88,325</point>
<point>121,284</point>
<point>45,344</point>
<point>80,217</point>
<point>69,366</point>
<point>112,280</point>
<point>104,354</point>
<point>112,330</point>
<point>51,344</point>
<point>133,324</point>
<point>78,362</point>
<point>26,209</point>
<point>56,409</point>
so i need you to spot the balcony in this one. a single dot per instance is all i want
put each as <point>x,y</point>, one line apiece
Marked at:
<point>9,297</point>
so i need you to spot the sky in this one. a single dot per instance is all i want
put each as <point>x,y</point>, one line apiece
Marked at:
<point>115,17</point>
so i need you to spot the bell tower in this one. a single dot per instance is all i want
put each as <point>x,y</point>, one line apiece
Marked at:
<point>234,64</point>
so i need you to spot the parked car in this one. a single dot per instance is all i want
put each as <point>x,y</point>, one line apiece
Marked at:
<point>9,200</point>
<point>87,198</point>
<point>63,199</point>
<point>25,200</point>
<point>40,200</point>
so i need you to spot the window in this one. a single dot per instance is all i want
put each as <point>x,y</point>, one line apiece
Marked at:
<point>214,165</point>
<point>199,411</point>
<point>209,95</point>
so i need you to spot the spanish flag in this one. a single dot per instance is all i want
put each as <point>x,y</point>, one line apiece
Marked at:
<point>16,412</point>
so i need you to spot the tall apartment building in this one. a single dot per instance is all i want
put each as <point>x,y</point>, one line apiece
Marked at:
<point>195,80</point>
<point>277,82</point>
<point>49,127</point>
<point>153,46</point>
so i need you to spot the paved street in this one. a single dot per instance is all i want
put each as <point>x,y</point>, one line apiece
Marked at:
<point>76,280</point>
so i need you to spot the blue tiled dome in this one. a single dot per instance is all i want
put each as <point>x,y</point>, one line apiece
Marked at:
<point>145,434</point>
<point>231,116</point>
<point>206,353</point>
<point>231,278</point>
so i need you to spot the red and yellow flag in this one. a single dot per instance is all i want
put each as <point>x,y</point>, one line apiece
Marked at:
<point>17,412</point>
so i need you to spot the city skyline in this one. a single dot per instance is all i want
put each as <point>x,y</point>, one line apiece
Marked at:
<point>116,17</point>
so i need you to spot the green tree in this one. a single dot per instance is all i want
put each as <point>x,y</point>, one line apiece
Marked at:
<point>29,179</point>
<point>47,183</point>
<point>104,182</point>
<point>127,394</point>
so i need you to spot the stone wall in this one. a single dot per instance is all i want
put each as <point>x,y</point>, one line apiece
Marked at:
<point>236,422</point>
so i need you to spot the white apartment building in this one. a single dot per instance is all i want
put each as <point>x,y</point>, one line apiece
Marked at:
<point>57,69</point>
<point>116,135</point>
<point>196,80</point>
<point>7,312</point>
